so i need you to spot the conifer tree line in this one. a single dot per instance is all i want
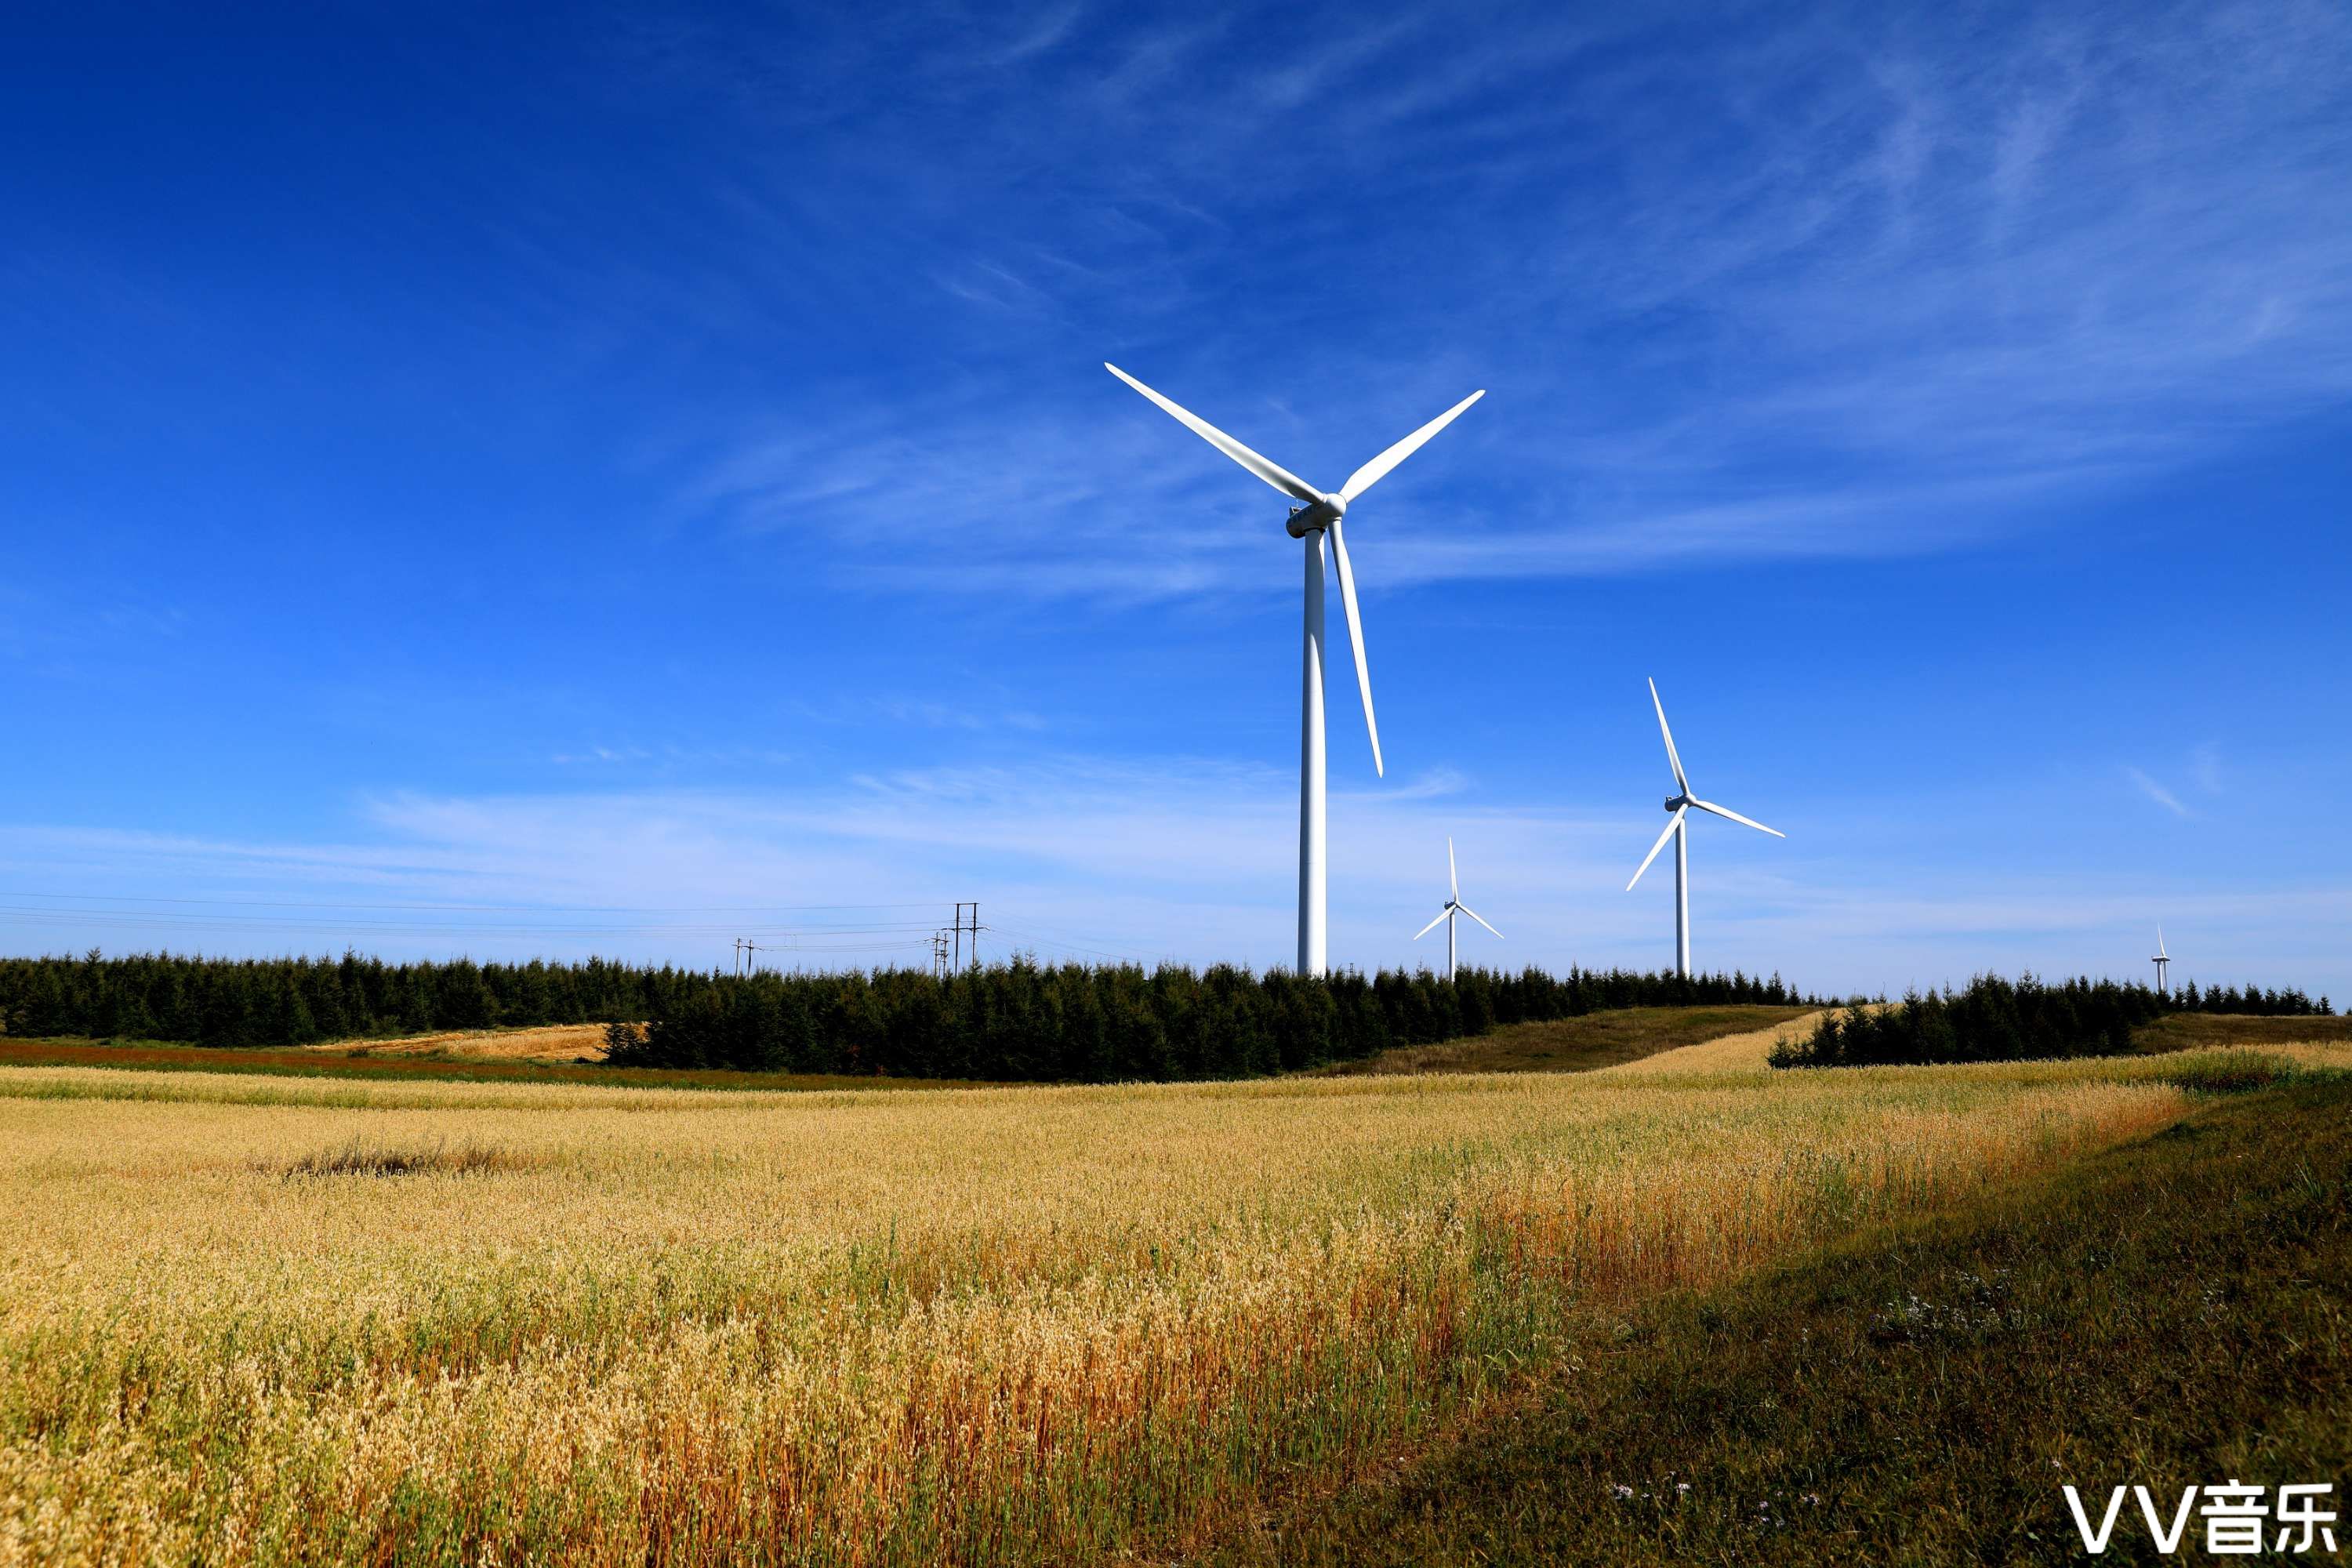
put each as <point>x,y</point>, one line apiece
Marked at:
<point>298,1001</point>
<point>1996,1019</point>
<point>1013,1021</point>
<point>1022,1020</point>
<point>2254,1000</point>
<point>1075,1023</point>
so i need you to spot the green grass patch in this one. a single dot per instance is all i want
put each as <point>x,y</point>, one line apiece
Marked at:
<point>2176,1312</point>
<point>2193,1031</point>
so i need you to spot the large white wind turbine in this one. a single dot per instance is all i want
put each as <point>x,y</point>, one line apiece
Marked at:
<point>2163,961</point>
<point>1678,807</point>
<point>1453,906</point>
<point>1319,513</point>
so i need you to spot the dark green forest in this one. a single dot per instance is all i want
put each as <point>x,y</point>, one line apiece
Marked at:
<point>1114,1023</point>
<point>1996,1019</point>
<point>298,1001</point>
<point>1016,1021</point>
<point>1022,1021</point>
<point>2251,1001</point>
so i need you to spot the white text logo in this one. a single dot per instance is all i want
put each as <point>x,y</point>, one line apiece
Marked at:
<point>2237,1519</point>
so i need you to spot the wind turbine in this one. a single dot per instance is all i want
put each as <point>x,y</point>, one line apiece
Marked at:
<point>1453,906</point>
<point>2162,961</point>
<point>1678,807</point>
<point>1318,513</point>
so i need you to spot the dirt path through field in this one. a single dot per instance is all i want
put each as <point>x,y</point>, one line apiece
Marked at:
<point>550,1043</point>
<point>1726,1053</point>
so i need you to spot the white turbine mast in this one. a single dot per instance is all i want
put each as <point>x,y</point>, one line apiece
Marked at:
<point>1678,809</point>
<point>2163,962</point>
<point>1318,513</point>
<point>1453,906</point>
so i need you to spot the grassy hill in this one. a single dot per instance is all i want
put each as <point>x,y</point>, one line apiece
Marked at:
<point>2197,1031</point>
<point>2174,1313</point>
<point>1574,1044</point>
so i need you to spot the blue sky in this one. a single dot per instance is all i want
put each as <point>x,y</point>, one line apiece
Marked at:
<point>478,481</point>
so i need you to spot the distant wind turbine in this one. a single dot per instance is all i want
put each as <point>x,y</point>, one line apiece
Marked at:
<point>1453,906</point>
<point>2163,962</point>
<point>1678,807</point>
<point>1319,513</point>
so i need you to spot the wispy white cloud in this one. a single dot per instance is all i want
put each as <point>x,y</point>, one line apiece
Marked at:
<point>1174,856</point>
<point>2205,768</point>
<point>1038,34</point>
<point>2157,792</point>
<point>1853,285</point>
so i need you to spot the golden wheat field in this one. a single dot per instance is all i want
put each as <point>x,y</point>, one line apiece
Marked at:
<point>249,1320</point>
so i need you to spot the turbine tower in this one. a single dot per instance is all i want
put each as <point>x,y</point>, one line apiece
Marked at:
<point>1318,513</point>
<point>2163,962</point>
<point>1678,807</point>
<point>1453,906</point>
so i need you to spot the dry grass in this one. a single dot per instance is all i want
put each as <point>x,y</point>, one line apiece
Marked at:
<point>1745,1052</point>
<point>1573,1045</point>
<point>348,1062</point>
<point>2331,1054</point>
<point>550,1043</point>
<point>370,1157</point>
<point>668,1326</point>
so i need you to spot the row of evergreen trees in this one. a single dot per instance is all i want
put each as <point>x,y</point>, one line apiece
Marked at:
<point>1010,1021</point>
<point>295,1001</point>
<point>1022,1020</point>
<point>2290,1003</point>
<point>2015,1020</point>
<point>1073,1023</point>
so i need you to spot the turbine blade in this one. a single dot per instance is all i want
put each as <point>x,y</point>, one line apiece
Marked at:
<point>1727,811</point>
<point>1267,469</point>
<point>1474,915</point>
<point>1453,878</point>
<point>1672,823</point>
<point>2160,943</point>
<point>1371,473</point>
<point>1433,924</point>
<point>1673,760</point>
<point>1356,640</point>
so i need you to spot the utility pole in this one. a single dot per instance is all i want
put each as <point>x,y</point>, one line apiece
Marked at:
<point>963,925</point>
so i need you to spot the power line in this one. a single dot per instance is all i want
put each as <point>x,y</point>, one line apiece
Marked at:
<point>1053,932</point>
<point>845,936</point>
<point>1033,939</point>
<point>524,909</point>
<point>238,923</point>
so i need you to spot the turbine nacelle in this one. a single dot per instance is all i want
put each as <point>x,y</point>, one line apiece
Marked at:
<point>1305,519</point>
<point>1677,802</point>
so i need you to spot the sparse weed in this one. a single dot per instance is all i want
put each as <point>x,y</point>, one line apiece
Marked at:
<point>364,1156</point>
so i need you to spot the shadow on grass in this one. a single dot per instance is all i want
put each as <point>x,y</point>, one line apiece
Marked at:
<point>2175,1312</point>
